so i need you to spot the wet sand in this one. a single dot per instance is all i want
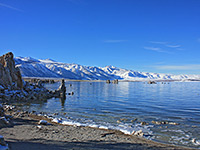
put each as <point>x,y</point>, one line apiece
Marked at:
<point>26,134</point>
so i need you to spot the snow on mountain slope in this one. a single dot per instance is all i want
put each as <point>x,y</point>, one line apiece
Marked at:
<point>31,67</point>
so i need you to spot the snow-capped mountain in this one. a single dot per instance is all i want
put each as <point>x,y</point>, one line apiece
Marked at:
<point>31,67</point>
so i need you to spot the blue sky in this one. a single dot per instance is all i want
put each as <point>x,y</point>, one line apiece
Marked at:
<point>160,36</point>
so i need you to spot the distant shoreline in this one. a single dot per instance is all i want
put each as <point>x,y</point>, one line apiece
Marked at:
<point>139,80</point>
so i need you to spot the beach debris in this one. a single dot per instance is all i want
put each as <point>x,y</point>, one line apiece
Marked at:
<point>138,133</point>
<point>3,144</point>
<point>42,122</point>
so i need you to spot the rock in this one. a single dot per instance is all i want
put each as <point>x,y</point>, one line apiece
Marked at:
<point>164,122</point>
<point>174,123</point>
<point>108,81</point>
<point>3,122</point>
<point>115,81</point>
<point>151,82</point>
<point>39,127</point>
<point>61,91</point>
<point>1,111</point>
<point>124,119</point>
<point>134,120</point>
<point>144,123</point>
<point>156,122</point>
<point>42,122</point>
<point>8,107</point>
<point>62,87</point>
<point>1,88</point>
<point>137,133</point>
<point>9,74</point>
<point>118,121</point>
<point>3,144</point>
<point>13,88</point>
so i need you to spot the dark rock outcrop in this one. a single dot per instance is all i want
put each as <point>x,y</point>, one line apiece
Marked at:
<point>10,76</point>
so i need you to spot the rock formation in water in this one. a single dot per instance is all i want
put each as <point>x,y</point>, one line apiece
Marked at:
<point>13,88</point>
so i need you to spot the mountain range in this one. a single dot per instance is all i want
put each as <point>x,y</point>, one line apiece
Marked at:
<point>48,68</point>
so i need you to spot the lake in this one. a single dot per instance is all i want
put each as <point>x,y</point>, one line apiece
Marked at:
<point>175,106</point>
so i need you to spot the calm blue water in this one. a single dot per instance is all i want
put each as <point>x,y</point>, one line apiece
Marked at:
<point>125,105</point>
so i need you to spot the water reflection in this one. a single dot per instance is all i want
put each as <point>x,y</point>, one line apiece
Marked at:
<point>62,100</point>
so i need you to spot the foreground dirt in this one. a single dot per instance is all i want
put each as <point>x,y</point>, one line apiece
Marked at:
<point>25,134</point>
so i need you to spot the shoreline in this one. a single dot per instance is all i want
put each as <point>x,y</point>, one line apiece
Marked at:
<point>25,132</point>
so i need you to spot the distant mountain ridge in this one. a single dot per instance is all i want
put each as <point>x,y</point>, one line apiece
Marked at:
<point>48,68</point>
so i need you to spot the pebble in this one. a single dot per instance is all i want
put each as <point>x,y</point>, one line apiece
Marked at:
<point>134,120</point>
<point>137,133</point>
<point>123,119</point>
<point>118,121</point>
<point>174,123</point>
<point>144,123</point>
<point>156,122</point>
<point>39,127</point>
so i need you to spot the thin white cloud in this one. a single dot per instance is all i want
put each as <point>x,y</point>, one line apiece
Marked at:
<point>165,47</point>
<point>10,7</point>
<point>157,42</point>
<point>114,41</point>
<point>173,46</point>
<point>166,44</point>
<point>157,49</point>
<point>179,67</point>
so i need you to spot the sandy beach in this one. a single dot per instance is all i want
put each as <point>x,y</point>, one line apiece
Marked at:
<point>25,133</point>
